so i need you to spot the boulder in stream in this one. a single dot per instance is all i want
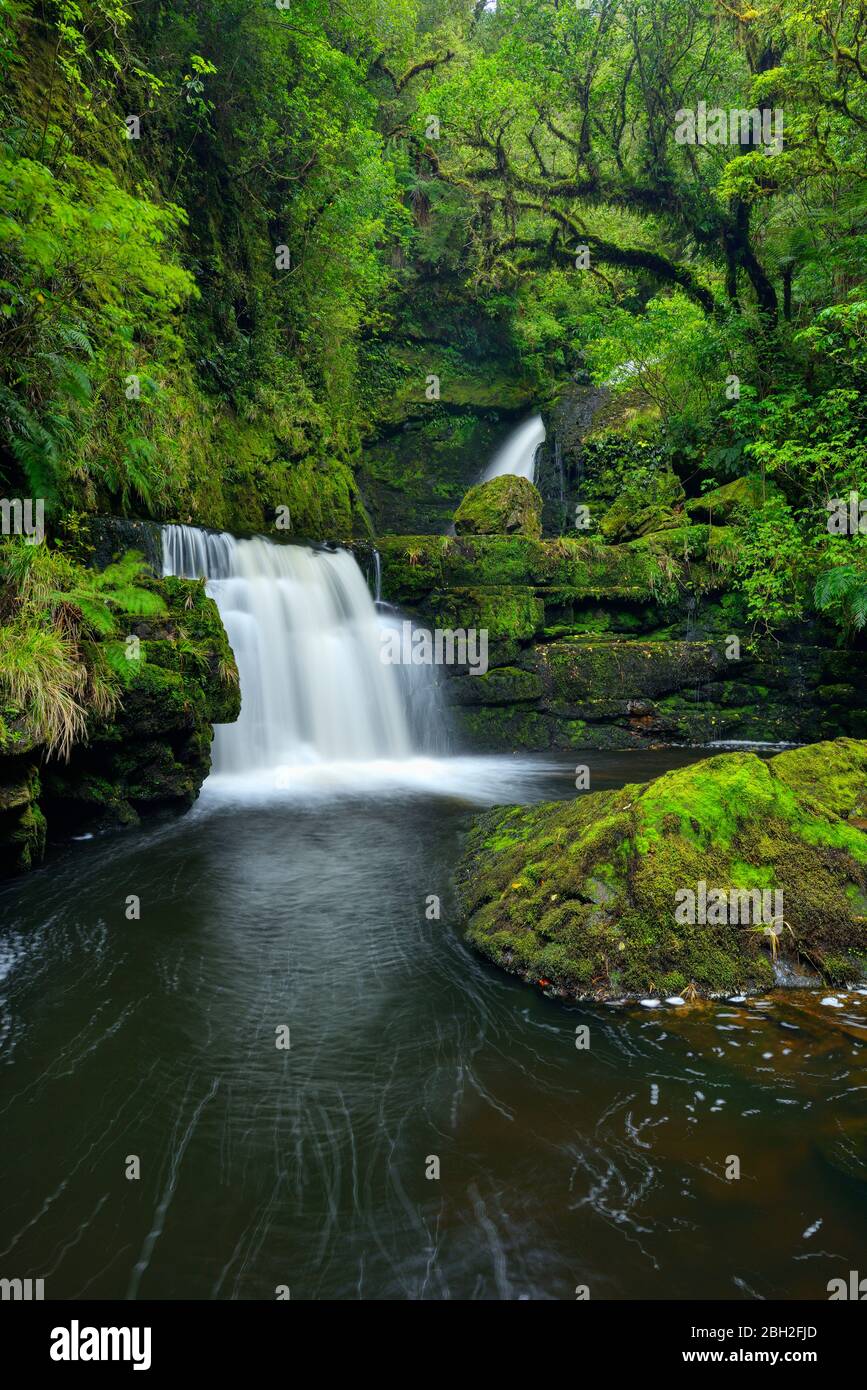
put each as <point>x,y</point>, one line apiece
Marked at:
<point>697,882</point>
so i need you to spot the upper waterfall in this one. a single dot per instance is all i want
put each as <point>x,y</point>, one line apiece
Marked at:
<point>306,637</point>
<point>518,454</point>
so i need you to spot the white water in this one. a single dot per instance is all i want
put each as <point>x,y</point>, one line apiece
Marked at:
<point>306,637</point>
<point>321,715</point>
<point>518,454</point>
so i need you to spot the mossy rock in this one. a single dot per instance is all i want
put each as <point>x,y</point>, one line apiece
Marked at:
<point>502,728</point>
<point>581,669</point>
<point>510,611</point>
<point>722,504</point>
<point>583,894</point>
<point>503,506</point>
<point>16,736</point>
<point>19,783</point>
<point>28,838</point>
<point>413,566</point>
<point>154,752</point>
<point>504,685</point>
<point>624,521</point>
<point>22,824</point>
<point>640,513</point>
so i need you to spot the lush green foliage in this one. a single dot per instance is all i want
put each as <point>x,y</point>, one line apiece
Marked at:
<point>60,638</point>
<point>324,203</point>
<point>200,289</point>
<point>719,287</point>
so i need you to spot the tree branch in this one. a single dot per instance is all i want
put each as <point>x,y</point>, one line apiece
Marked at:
<point>400,82</point>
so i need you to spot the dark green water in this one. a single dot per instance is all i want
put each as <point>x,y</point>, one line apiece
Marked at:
<point>263,1167</point>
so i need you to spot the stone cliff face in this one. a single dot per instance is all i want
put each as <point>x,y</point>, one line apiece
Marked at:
<point>617,646</point>
<point>444,390</point>
<point>560,469</point>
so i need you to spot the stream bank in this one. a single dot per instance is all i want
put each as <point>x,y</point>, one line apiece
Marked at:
<point>152,754</point>
<point>621,645</point>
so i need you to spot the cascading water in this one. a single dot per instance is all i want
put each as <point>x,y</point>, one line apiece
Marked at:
<point>518,453</point>
<point>306,637</point>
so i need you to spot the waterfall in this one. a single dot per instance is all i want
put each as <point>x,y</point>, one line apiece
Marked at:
<point>306,637</point>
<point>518,454</point>
<point>377,570</point>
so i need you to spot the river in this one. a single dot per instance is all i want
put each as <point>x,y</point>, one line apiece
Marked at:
<point>305,1168</point>
<point>246,1053</point>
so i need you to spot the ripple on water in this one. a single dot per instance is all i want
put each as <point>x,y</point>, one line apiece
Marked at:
<point>308,1166</point>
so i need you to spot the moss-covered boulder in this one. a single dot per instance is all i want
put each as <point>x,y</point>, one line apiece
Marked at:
<point>639,512</point>
<point>722,504</point>
<point>504,506</point>
<point>592,896</point>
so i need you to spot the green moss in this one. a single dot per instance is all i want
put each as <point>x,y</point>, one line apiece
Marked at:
<point>722,504</point>
<point>582,669</point>
<point>498,728</point>
<point>22,823</point>
<point>155,749</point>
<point>414,478</point>
<point>502,506</point>
<point>411,565</point>
<point>609,866</point>
<point>639,510</point>
<point>28,838</point>
<point>608,630</point>
<point>501,686</point>
<point>831,772</point>
<point>505,612</point>
<point>564,571</point>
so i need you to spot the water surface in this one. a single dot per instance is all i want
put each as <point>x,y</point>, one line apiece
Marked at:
<point>306,1168</point>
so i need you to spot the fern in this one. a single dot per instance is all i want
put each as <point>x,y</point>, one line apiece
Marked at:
<point>54,667</point>
<point>33,446</point>
<point>118,661</point>
<point>120,584</point>
<point>72,336</point>
<point>843,590</point>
